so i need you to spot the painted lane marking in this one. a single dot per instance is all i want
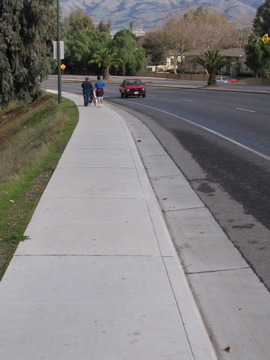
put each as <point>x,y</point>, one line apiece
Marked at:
<point>246,110</point>
<point>209,130</point>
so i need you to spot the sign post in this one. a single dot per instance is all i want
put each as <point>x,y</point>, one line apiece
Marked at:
<point>58,54</point>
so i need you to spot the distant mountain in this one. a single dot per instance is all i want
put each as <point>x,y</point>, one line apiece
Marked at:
<point>152,13</point>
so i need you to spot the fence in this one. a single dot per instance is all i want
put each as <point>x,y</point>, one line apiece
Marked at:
<point>195,77</point>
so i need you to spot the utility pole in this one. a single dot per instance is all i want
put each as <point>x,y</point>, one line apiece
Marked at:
<point>58,54</point>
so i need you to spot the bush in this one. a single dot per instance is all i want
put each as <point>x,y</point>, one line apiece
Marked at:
<point>245,75</point>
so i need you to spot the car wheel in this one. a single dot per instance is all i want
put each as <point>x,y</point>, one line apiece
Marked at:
<point>143,95</point>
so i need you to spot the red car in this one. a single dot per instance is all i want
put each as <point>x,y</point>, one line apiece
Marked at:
<point>132,87</point>
<point>232,80</point>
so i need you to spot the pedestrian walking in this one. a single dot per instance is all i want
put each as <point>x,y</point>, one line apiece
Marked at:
<point>87,87</point>
<point>99,86</point>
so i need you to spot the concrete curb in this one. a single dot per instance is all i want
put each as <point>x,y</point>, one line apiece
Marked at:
<point>226,290</point>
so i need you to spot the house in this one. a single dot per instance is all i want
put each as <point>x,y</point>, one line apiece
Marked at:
<point>186,64</point>
<point>238,58</point>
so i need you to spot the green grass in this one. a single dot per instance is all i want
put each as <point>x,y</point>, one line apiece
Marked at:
<point>32,140</point>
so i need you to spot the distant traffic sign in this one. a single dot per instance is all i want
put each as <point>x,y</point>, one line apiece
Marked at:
<point>265,38</point>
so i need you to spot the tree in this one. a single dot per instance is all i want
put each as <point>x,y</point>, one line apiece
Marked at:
<point>176,38</point>
<point>211,30</point>
<point>242,37</point>
<point>88,47</point>
<point>212,61</point>
<point>261,22</point>
<point>79,29</point>
<point>27,29</point>
<point>104,27</point>
<point>132,55</point>
<point>83,39</point>
<point>155,52</point>
<point>200,30</point>
<point>106,58</point>
<point>258,55</point>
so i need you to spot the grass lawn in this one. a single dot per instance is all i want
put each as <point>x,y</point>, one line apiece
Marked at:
<point>32,140</point>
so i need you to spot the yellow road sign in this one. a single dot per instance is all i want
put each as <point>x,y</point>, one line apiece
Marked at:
<point>265,38</point>
<point>63,66</point>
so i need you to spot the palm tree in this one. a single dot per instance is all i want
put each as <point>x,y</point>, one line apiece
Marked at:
<point>212,61</point>
<point>105,58</point>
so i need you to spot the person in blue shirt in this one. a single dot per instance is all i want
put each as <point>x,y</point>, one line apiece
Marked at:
<point>87,87</point>
<point>99,86</point>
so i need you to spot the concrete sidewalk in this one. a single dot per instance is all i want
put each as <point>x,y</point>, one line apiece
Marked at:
<point>99,277</point>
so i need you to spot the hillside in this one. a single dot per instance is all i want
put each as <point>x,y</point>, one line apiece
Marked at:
<point>147,14</point>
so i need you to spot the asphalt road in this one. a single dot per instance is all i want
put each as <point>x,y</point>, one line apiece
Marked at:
<point>220,140</point>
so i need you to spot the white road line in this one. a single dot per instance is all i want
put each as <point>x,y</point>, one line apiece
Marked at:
<point>211,131</point>
<point>246,110</point>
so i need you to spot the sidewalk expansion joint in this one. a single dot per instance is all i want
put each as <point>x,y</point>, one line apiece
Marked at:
<point>92,256</point>
<point>216,271</point>
<point>186,209</point>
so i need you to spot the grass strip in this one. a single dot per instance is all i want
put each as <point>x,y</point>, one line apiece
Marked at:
<point>32,140</point>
